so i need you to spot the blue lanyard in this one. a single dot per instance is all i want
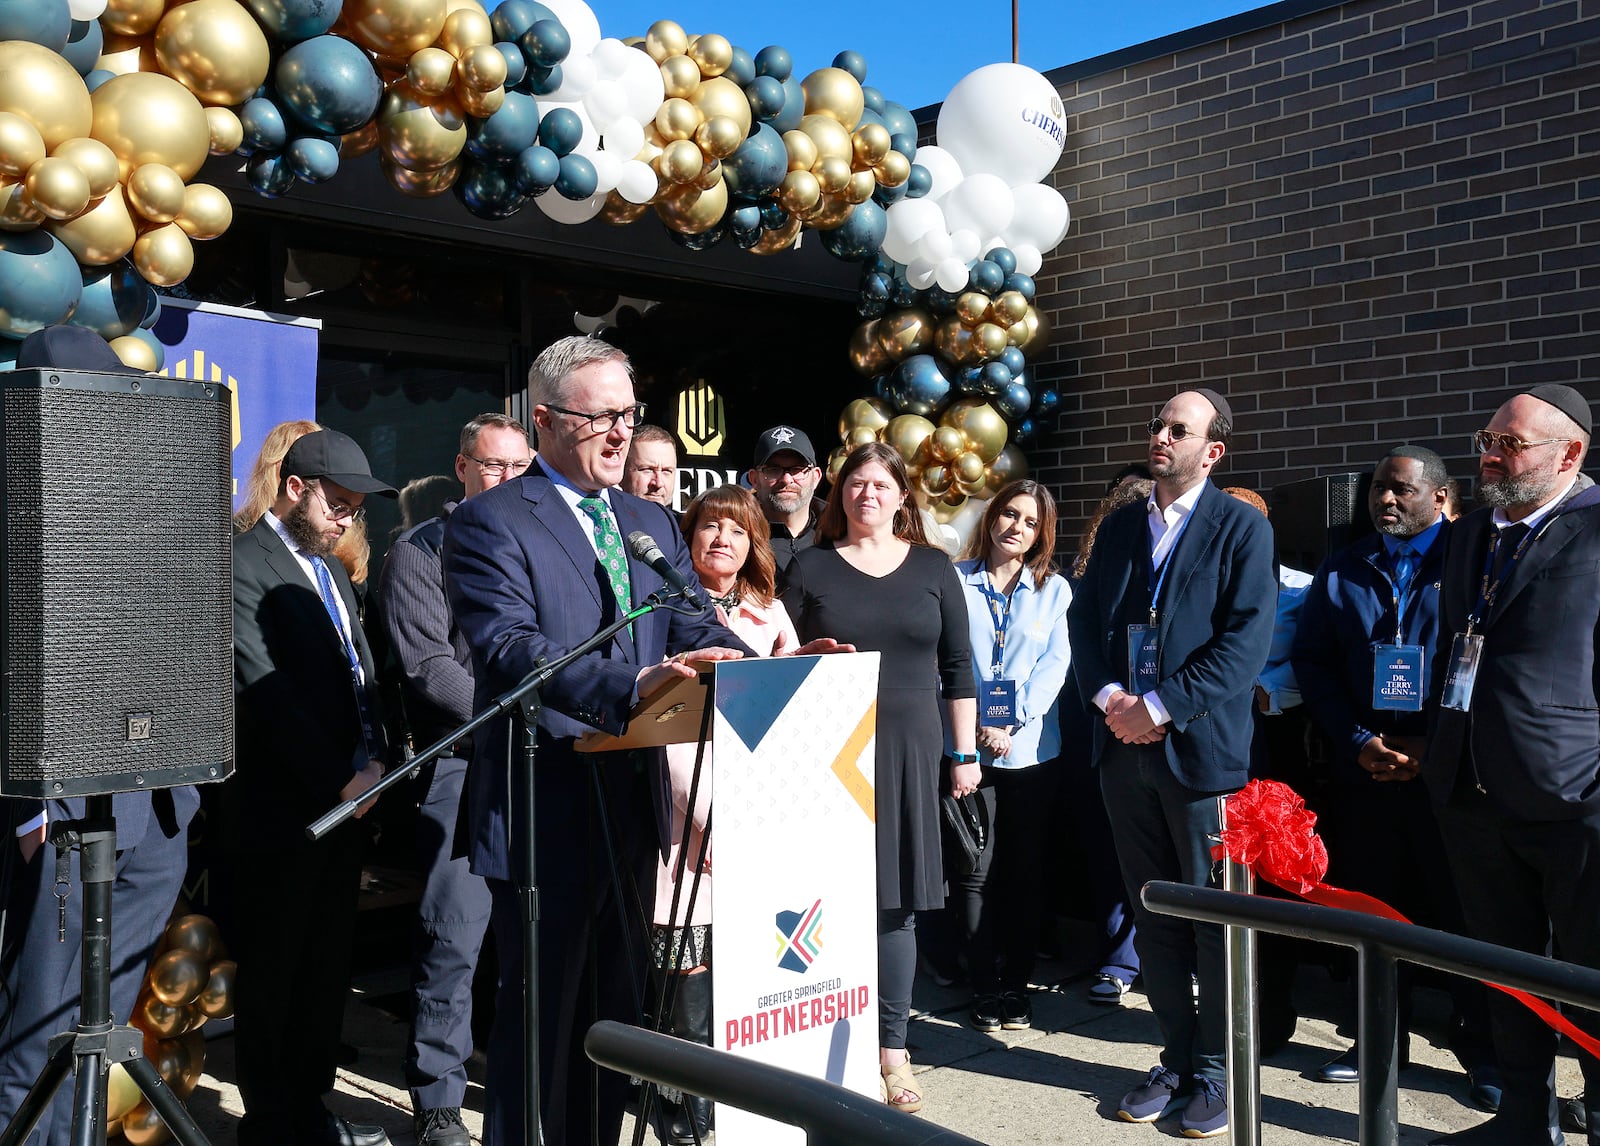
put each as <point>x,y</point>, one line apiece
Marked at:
<point>1397,594</point>
<point>1488,590</point>
<point>1158,576</point>
<point>1000,613</point>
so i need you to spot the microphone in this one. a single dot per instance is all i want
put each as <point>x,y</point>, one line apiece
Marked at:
<point>644,547</point>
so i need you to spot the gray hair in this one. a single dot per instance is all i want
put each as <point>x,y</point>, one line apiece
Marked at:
<point>548,375</point>
<point>470,432</point>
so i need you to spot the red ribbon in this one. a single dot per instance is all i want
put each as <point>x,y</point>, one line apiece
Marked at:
<point>1271,831</point>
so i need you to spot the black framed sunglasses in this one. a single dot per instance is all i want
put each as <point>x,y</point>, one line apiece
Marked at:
<point>1177,431</point>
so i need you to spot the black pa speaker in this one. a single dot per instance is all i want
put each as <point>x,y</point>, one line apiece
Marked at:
<point>116,614</point>
<point>1317,517</point>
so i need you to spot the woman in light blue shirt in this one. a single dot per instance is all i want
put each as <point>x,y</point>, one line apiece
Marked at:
<point>1017,610</point>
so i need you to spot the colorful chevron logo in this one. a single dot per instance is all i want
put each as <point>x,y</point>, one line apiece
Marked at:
<point>799,938</point>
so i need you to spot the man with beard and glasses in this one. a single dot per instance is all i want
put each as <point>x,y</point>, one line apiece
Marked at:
<point>307,736</point>
<point>784,480</point>
<point>1170,627</point>
<point>1513,753</point>
<point>1366,636</point>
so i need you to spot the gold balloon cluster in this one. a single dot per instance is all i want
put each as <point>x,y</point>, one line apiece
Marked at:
<point>978,330</point>
<point>189,982</point>
<point>836,161</point>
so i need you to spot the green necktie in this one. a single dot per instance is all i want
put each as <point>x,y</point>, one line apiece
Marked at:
<point>609,542</point>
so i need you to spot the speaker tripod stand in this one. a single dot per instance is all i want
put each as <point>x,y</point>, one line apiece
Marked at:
<point>97,1043</point>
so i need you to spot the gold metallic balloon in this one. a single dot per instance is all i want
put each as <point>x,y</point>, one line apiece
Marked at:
<point>799,192</point>
<point>871,414</point>
<point>967,467</point>
<point>227,133</point>
<point>665,38</point>
<point>833,174</point>
<point>836,462</point>
<point>179,975</point>
<point>990,339</point>
<point>216,1001</point>
<point>1009,307</point>
<point>828,135</point>
<point>681,161</point>
<point>141,356</point>
<point>973,307</point>
<point>1007,467</point>
<point>155,192</point>
<point>147,117</point>
<point>619,212</point>
<point>395,28</point>
<point>480,105</point>
<point>21,145</point>
<point>142,1126</point>
<point>132,17</point>
<point>893,170</point>
<point>419,135</point>
<point>719,137</point>
<point>860,188</point>
<point>1038,332</point>
<point>102,234</point>
<point>777,240</point>
<point>206,212</point>
<point>907,433</point>
<point>214,48</point>
<point>870,143</point>
<point>946,443</point>
<point>721,96</point>
<point>712,53</point>
<point>97,162</point>
<point>678,119</point>
<point>835,93</point>
<point>942,514</point>
<point>150,1014</point>
<point>691,210</point>
<point>860,436</point>
<point>196,933</point>
<point>483,68</point>
<point>170,1059</point>
<point>710,175</point>
<point>802,150</point>
<point>56,188</point>
<point>953,339</point>
<point>42,88</point>
<point>936,478</point>
<point>868,358</point>
<point>465,27</point>
<point>905,332</point>
<point>980,423</point>
<point>955,497</point>
<point>164,256</point>
<point>679,77</point>
<point>122,1093</point>
<point>431,71</point>
<point>831,213</point>
<point>16,212</point>
<point>194,1044</point>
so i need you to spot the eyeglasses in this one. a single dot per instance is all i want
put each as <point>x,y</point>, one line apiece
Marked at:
<point>1177,431</point>
<point>1486,440</point>
<point>604,421</point>
<point>776,472</point>
<point>497,467</point>
<point>338,510</point>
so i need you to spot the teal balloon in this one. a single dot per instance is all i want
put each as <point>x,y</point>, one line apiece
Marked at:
<point>489,191</point>
<point>903,293</point>
<point>578,178</point>
<point>919,385</point>
<point>561,130</point>
<point>84,45</point>
<point>703,241</point>
<point>45,22</point>
<point>860,235</point>
<point>870,116</point>
<point>516,62</point>
<point>773,216</point>
<point>854,63</point>
<point>742,68</point>
<point>114,300</point>
<point>1048,400</point>
<point>939,301</point>
<point>1019,282</point>
<point>986,277</point>
<point>888,196</point>
<point>545,43</point>
<point>269,174</point>
<point>969,380</point>
<point>794,106</point>
<point>507,133</point>
<point>514,17</point>
<point>994,377</point>
<point>898,119</point>
<point>1014,402</point>
<point>919,182</point>
<point>264,129</point>
<point>873,99</point>
<point>154,343</point>
<point>775,62</point>
<point>1004,259</point>
<point>536,170</point>
<point>97,77</point>
<point>290,21</point>
<point>766,96</point>
<point>542,81</point>
<point>40,282</point>
<point>905,144</point>
<point>1013,359</point>
<point>313,160</point>
<point>758,166</point>
<point>152,313</point>
<point>328,84</point>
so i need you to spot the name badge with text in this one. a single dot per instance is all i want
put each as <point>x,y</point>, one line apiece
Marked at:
<point>997,704</point>
<point>1465,653</point>
<point>1144,658</point>
<point>1397,678</point>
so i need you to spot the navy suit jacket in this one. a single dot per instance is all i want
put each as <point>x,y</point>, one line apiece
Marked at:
<point>1533,732</point>
<point>526,587</point>
<point>1219,603</point>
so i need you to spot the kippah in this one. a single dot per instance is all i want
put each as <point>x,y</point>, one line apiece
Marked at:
<point>1218,402</point>
<point>1564,398</point>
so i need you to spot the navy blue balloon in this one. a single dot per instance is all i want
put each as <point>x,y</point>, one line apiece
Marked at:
<point>115,300</point>
<point>919,182</point>
<point>794,106</point>
<point>986,277</point>
<point>883,388</point>
<point>84,44</point>
<point>920,385</point>
<point>873,99</point>
<point>993,378</point>
<point>968,379</point>
<point>775,62</point>
<point>514,17</point>
<point>888,196</point>
<point>43,22</point>
<point>939,300</point>
<point>903,294</point>
<point>703,241</point>
<point>854,63</point>
<point>561,130</point>
<point>290,21</point>
<point>516,62</point>
<point>578,179</point>
<point>1048,400</point>
<point>328,84</point>
<point>905,144</point>
<point>1004,259</point>
<point>269,173</point>
<point>875,285</point>
<point>546,43</point>
<point>1012,357</point>
<point>1021,283</point>
<point>264,129</point>
<point>1024,430</point>
<point>536,170</point>
<point>773,216</point>
<point>745,219</point>
<point>898,119</point>
<point>766,96</point>
<point>742,67</point>
<point>97,77</point>
<point>313,160</point>
<point>542,81</point>
<point>507,133</point>
<point>860,235</point>
<point>758,166</point>
<point>488,190</point>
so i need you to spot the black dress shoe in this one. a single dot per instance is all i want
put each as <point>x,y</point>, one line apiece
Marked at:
<point>1486,1087</point>
<point>1016,1011</point>
<point>1345,1068</point>
<point>1573,1116</point>
<point>332,1130</point>
<point>985,1014</point>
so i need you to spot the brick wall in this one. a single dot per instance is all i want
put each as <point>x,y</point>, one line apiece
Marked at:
<point>1365,224</point>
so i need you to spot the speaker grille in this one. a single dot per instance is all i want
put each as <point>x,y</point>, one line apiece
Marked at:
<point>118,625</point>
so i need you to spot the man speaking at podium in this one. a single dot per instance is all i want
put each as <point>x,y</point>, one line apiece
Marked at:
<point>534,567</point>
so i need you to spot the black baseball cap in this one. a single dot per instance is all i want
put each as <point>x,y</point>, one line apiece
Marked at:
<point>66,347</point>
<point>335,456</point>
<point>780,439</point>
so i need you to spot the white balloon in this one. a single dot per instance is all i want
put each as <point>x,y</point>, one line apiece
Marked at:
<point>86,9</point>
<point>581,25</point>
<point>606,168</point>
<point>898,249</point>
<point>935,245</point>
<point>910,219</point>
<point>1042,217</point>
<point>644,85</point>
<point>965,245</point>
<point>611,58</point>
<point>636,181</point>
<point>951,275</point>
<point>577,77</point>
<point>625,137</point>
<point>564,210</point>
<point>1005,120</point>
<point>943,170</point>
<point>1029,260</point>
<point>966,519</point>
<point>606,103</point>
<point>980,203</point>
<point>921,274</point>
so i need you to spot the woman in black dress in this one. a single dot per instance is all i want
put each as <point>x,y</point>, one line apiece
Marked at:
<point>874,580</point>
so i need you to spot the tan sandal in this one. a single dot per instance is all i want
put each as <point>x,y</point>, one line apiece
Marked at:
<point>900,1087</point>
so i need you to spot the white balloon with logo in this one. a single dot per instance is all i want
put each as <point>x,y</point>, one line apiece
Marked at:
<point>1005,120</point>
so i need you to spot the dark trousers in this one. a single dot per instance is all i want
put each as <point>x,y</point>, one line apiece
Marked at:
<point>592,960</point>
<point>1163,832</point>
<point>44,983</point>
<point>998,904</point>
<point>451,921</point>
<point>1085,812</point>
<point>292,935</point>
<point>897,970</point>
<point>1523,884</point>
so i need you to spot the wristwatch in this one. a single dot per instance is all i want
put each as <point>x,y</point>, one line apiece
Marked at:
<point>963,757</point>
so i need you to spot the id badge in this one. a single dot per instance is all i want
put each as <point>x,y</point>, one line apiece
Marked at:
<point>1465,652</point>
<point>1397,678</point>
<point>1144,656</point>
<point>998,704</point>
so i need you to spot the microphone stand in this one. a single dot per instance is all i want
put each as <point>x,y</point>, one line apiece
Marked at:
<point>524,700</point>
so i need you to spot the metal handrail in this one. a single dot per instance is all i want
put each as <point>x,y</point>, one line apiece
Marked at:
<point>1379,943</point>
<point>829,1114</point>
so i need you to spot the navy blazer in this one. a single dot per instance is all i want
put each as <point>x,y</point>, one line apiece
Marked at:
<point>1533,733</point>
<point>525,587</point>
<point>1220,600</point>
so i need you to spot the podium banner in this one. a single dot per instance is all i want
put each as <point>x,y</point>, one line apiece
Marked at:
<point>794,914</point>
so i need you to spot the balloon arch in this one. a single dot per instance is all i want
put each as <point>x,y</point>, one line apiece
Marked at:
<point>109,108</point>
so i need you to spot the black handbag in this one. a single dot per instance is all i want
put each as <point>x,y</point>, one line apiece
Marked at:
<point>964,824</point>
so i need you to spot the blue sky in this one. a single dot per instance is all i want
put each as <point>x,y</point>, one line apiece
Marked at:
<point>916,50</point>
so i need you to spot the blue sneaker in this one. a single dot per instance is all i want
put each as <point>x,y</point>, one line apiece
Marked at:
<point>1206,1116</point>
<point>1162,1091</point>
